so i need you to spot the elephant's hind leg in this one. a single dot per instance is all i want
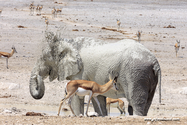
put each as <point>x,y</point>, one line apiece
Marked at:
<point>138,102</point>
<point>98,105</point>
<point>77,105</point>
<point>149,101</point>
<point>69,103</point>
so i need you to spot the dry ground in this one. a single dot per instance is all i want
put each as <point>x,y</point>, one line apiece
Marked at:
<point>86,18</point>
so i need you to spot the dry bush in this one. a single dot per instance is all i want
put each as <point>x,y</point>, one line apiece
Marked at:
<point>21,26</point>
<point>169,26</point>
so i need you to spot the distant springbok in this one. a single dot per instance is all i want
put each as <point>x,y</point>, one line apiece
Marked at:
<point>177,46</point>
<point>40,9</point>
<point>32,8</point>
<point>37,8</point>
<point>0,12</point>
<point>8,55</point>
<point>139,33</point>
<point>118,23</point>
<point>120,106</point>
<point>54,12</point>
<point>47,23</point>
<point>58,11</point>
<point>91,88</point>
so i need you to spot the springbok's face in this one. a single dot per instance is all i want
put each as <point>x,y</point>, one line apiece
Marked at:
<point>14,49</point>
<point>114,87</point>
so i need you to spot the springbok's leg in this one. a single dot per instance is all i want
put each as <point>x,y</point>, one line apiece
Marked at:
<point>98,104</point>
<point>61,105</point>
<point>90,96</point>
<point>7,63</point>
<point>108,109</point>
<point>121,107</point>
<point>120,110</point>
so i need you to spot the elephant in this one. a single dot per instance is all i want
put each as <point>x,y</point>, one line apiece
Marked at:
<point>89,59</point>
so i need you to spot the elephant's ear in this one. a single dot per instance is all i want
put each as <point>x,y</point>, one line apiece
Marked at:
<point>70,62</point>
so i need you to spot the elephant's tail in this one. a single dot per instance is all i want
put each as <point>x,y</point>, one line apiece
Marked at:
<point>157,72</point>
<point>159,83</point>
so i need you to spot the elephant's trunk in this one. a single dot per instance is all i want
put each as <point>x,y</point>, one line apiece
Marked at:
<point>36,86</point>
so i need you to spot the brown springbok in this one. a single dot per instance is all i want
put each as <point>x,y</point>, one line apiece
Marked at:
<point>139,33</point>
<point>40,9</point>
<point>118,23</point>
<point>8,55</point>
<point>0,12</point>
<point>177,46</point>
<point>47,23</point>
<point>120,106</point>
<point>32,8</point>
<point>91,88</point>
<point>54,13</point>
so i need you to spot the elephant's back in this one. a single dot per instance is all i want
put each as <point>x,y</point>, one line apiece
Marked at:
<point>134,51</point>
<point>126,48</point>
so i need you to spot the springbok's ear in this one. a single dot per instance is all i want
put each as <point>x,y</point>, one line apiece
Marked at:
<point>116,76</point>
<point>111,75</point>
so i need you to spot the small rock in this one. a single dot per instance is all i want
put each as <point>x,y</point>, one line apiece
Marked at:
<point>7,111</point>
<point>80,116</point>
<point>93,114</point>
<point>33,114</point>
<point>148,123</point>
<point>64,109</point>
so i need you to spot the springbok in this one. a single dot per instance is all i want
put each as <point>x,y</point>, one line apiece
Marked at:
<point>58,11</point>
<point>139,33</point>
<point>177,46</point>
<point>37,8</point>
<point>32,8</point>
<point>40,9</point>
<point>54,12</point>
<point>118,24</point>
<point>46,22</point>
<point>84,87</point>
<point>8,55</point>
<point>0,12</point>
<point>120,106</point>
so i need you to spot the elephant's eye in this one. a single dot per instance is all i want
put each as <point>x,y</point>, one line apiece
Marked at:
<point>62,55</point>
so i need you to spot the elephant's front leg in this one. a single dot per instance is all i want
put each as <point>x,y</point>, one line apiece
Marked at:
<point>77,104</point>
<point>102,101</point>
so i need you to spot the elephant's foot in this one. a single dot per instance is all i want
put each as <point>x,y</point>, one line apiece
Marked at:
<point>130,110</point>
<point>77,105</point>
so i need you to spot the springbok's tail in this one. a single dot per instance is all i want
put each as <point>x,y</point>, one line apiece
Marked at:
<point>65,93</point>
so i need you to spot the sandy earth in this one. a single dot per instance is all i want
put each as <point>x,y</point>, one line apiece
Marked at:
<point>86,18</point>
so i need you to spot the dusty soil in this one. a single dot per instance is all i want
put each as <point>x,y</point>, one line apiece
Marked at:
<point>161,23</point>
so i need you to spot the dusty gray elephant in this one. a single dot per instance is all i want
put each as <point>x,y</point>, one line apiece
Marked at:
<point>88,59</point>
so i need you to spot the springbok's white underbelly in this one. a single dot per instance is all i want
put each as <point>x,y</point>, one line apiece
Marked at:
<point>3,57</point>
<point>83,92</point>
